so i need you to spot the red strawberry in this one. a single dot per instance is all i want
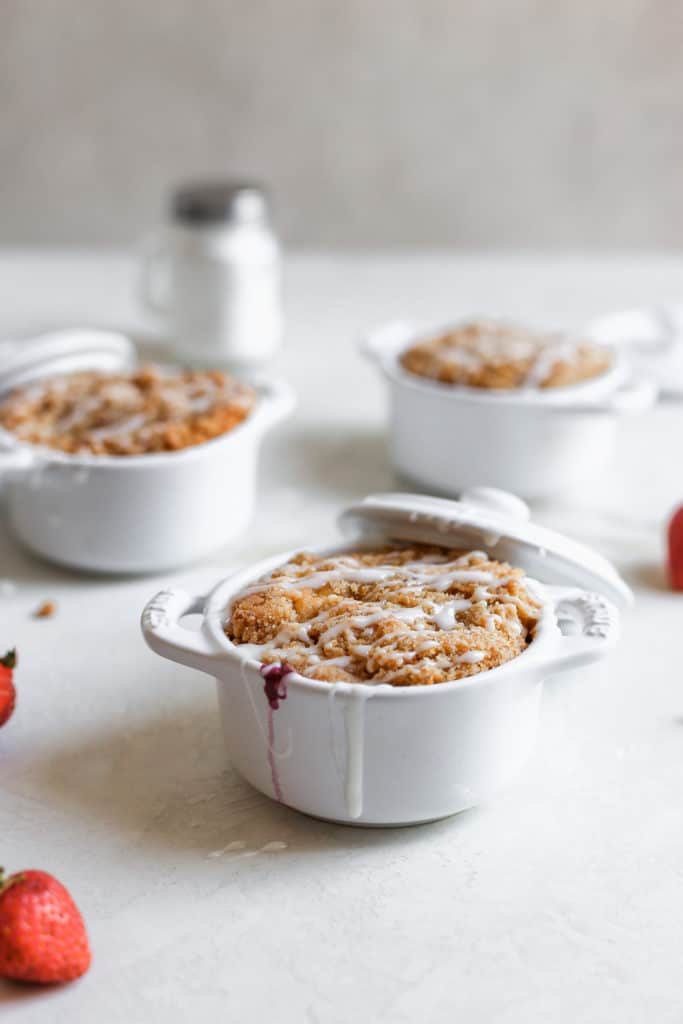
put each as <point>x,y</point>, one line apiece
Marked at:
<point>8,695</point>
<point>42,935</point>
<point>676,549</point>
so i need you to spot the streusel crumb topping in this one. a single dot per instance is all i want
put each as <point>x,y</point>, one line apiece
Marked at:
<point>151,410</point>
<point>409,617</point>
<point>488,354</point>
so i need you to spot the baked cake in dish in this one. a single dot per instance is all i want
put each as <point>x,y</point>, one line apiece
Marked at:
<point>489,354</point>
<point>409,617</point>
<point>151,410</point>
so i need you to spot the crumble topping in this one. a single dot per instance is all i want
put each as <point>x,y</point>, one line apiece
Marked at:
<point>151,410</point>
<point>409,617</point>
<point>488,354</point>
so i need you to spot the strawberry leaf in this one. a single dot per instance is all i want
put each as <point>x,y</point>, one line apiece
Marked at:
<point>10,659</point>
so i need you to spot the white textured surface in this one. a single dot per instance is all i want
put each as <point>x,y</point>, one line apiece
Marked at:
<point>559,901</point>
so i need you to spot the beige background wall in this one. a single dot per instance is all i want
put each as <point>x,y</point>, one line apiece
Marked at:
<point>377,122</point>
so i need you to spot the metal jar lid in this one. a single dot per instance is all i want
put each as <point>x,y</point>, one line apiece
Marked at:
<point>204,203</point>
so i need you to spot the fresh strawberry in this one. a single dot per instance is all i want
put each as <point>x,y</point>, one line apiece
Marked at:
<point>42,935</point>
<point>8,695</point>
<point>676,549</point>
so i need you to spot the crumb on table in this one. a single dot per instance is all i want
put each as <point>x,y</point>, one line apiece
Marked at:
<point>45,611</point>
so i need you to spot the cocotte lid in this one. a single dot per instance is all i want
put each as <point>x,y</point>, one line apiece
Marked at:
<point>65,351</point>
<point>489,519</point>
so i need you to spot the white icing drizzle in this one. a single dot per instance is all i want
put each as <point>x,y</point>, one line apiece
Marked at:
<point>445,615</point>
<point>316,580</point>
<point>353,709</point>
<point>481,344</point>
<point>318,636</point>
<point>422,573</point>
<point>105,407</point>
<point>470,658</point>
<point>557,350</point>
<point>445,580</point>
<point>128,426</point>
<point>486,343</point>
<point>354,721</point>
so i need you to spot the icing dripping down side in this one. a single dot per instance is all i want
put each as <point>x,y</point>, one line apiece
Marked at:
<point>354,712</point>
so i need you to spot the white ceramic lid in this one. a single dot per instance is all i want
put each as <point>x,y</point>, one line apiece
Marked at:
<point>65,351</point>
<point>490,520</point>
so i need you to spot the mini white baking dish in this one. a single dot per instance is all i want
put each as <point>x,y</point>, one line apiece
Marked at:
<point>380,755</point>
<point>536,442</point>
<point>128,514</point>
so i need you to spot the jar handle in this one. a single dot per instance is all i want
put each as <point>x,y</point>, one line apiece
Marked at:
<point>153,283</point>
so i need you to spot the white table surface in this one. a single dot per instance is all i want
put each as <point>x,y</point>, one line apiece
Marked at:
<point>558,901</point>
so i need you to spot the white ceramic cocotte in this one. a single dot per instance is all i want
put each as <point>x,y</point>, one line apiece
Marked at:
<point>127,514</point>
<point>383,755</point>
<point>536,442</point>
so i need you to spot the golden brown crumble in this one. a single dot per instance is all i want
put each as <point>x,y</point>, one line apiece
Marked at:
<point>488,354</point>
<point>409,617</point>
<point>151,410</point>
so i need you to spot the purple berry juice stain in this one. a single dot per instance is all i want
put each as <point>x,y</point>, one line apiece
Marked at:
<point>275,686</point>
<point>275,689</point>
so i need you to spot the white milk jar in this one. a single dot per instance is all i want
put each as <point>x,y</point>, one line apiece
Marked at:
<point>214,274</point>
